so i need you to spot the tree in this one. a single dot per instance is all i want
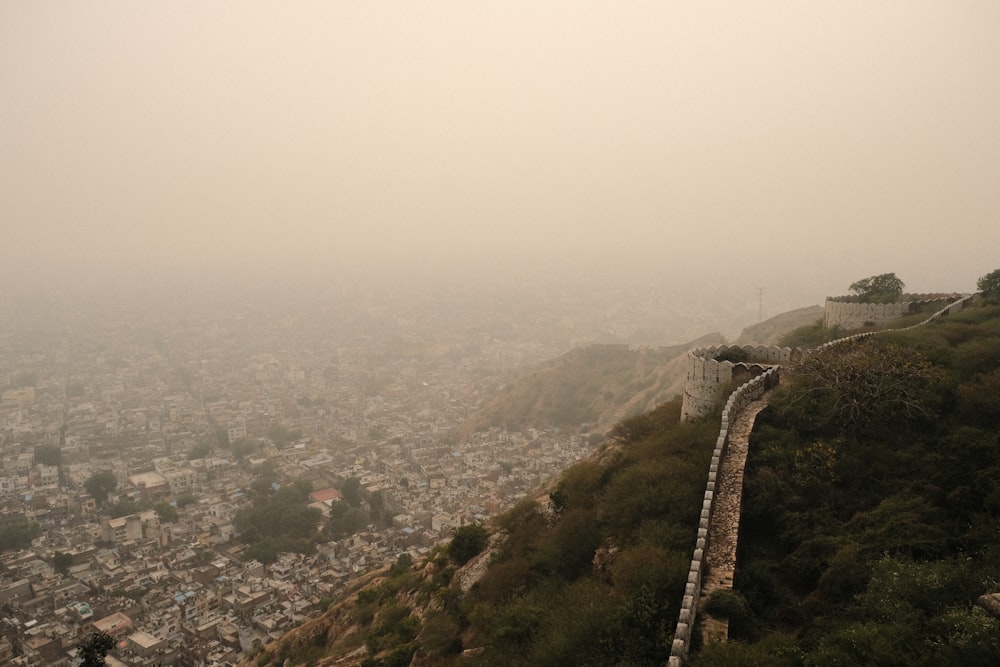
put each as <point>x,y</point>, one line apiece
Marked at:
<point>166,512</point>
<point>989,285</point>
<point>18,535</point>
<point>467,542</point>
<point>124,508</point>
<point>243,447</point>
<point>376,502</point>
<point>304,487</point>
<point>351,491</point>
<point>49,455</point>
<point>865,385</point>
<point>199,451</point>
<point>94,648</point>
<point>100,484</point>
<point>61,562</point>
<point>883,288</point>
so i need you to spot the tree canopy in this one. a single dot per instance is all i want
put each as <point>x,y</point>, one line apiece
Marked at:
<point>883,288</point>
<point>100,484</point>
<point>989,285</point>
<point>863,386</point>
<point>467,542</point>
<point>278,522</point>
<point>48,454</point>
<point>61,562</point>
<point>94,648</point>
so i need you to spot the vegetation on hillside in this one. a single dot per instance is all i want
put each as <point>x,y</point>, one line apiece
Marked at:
<point>870,524</point>
<point>810,336</point>
<point>593,575</point>
<point>595,385</point>
<point>989,285</point>
<point>872,505</point>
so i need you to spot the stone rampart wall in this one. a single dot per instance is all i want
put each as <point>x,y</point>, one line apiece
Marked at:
<point>739,399</point>
<point>952,307</point>
<point>849,315</point>
<point>707,377</point>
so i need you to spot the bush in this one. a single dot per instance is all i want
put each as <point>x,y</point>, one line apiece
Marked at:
<point>467,542</point>
<point>728,604</point>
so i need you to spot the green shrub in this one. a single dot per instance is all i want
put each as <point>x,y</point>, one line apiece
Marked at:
<point>467,542</point>
<point>728,604</point>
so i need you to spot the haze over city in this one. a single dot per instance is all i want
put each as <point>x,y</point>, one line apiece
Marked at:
<point>715,147</point>
<point>297,293</point>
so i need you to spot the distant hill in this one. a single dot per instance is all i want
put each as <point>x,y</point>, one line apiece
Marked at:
<point>770,331</point>
<point>596,385</point>
<point>602,384</point>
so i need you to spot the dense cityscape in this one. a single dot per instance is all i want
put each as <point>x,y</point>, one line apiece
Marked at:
<point>134,435</point>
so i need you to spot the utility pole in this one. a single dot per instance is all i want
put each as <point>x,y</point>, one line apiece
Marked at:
<point>760,304</point>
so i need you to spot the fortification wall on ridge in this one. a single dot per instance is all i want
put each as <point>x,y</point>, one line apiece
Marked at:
<point>851,315</point>
<point>737,401</point>
<point>708,377</point>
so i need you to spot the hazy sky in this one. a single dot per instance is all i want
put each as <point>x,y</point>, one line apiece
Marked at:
<point>797,143</point>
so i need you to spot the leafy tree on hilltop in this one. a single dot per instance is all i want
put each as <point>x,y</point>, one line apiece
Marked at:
<point>883,288</point>
<point>989,285</point>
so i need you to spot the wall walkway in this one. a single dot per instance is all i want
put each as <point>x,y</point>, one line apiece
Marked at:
<point>724,529</point>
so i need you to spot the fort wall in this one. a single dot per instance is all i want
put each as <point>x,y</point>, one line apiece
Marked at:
<point>738,400</point>
<point>705,375</point>
<point>846,314</point>
<point>708,377</point>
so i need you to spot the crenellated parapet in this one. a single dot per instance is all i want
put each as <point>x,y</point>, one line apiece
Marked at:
<point>847,313</point>
<point>710,372</point>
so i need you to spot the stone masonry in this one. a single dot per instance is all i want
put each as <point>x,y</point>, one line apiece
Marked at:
<point>723,531</point>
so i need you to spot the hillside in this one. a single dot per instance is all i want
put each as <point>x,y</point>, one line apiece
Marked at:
<point>871,511</point>
<point>591,575</point>
<point>596,385</point>
<point>871,504</point>
<point>771,331</point>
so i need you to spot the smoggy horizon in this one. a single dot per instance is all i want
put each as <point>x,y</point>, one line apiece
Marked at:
<point>714,147</point>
